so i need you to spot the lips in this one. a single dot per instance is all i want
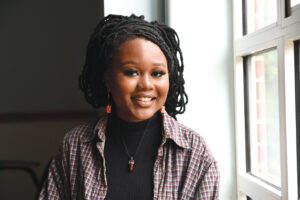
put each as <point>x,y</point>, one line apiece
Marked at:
<point>143,101</point>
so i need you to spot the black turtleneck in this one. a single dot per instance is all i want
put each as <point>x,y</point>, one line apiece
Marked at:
<point>137,184</point>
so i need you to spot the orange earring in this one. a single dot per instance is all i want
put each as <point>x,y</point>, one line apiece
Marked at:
<point>162,110</point>
<point>108,107</point>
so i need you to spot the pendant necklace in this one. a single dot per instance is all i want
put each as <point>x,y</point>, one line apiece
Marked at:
<point>131,157</point>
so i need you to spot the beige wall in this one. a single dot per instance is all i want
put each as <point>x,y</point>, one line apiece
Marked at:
<point>41,55</point>
<point>28,141</point>
<point>42,51</point>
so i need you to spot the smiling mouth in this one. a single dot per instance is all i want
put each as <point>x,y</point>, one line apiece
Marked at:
<point>143,101</point>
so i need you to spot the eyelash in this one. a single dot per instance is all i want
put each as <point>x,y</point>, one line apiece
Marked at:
<point>158,73</point>
<point>132,72</point>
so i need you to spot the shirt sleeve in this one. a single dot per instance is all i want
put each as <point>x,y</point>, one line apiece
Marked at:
<point>209,184</point>
<point>56,185</point>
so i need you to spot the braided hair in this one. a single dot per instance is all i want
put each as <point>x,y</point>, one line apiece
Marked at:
<point>109,35</point>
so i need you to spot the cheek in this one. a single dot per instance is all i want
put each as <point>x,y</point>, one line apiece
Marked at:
<point>122,87</point>
<point>164,88</point>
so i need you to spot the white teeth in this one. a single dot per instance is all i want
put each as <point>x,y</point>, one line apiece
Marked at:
<point>143,98</point>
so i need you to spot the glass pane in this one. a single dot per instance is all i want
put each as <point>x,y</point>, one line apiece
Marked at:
<point>264,116</point>
<point>294,2</point>
<point>260,13</point>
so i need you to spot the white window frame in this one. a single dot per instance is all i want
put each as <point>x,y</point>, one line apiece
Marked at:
<point>280,35</point>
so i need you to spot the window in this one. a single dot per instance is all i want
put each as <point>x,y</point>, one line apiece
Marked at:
<point>266,51</point>
<point>294,7</point>
<point>258,14</point>
<point>262,99</point>
<point>294,2</point>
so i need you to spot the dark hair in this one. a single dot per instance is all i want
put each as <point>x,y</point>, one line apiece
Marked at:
<point>110,33</point>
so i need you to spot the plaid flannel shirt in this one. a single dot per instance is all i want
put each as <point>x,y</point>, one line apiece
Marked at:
<point>184,167</point>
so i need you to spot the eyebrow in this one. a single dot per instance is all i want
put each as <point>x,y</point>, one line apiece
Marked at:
<point>159,64</point>
<point>129,62</point>
<point>135,63</point>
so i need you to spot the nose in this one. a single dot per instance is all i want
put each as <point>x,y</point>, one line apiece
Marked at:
<point>145,82</point>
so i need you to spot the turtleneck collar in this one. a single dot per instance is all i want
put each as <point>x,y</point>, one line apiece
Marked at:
<point>172,130</point>
<point>120,124</point>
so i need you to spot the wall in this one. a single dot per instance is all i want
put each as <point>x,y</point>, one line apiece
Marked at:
<point>151,9</point>
<point>205,31</point>
<point>31,141</point>
<point>42,51</point>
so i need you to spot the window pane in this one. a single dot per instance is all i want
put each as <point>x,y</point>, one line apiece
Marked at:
<point>294,2</point>
<point>260,13</point>
<point>264,116</point>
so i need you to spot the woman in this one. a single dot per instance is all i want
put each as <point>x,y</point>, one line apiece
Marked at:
<point>137,150</point>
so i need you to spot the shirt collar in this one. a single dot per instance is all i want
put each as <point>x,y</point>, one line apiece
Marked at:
<point>172,130</point>
<point>98,130</point>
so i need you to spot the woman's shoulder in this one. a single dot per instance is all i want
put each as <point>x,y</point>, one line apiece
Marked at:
<point>83,132</point>
<point>194,158</point>
<point>188,139</point>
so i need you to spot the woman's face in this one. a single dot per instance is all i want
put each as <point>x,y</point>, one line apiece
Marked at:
<point>138,80</point>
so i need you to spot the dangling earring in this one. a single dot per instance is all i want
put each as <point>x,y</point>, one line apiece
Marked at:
<point>108,107</point>
<point>162,110</point>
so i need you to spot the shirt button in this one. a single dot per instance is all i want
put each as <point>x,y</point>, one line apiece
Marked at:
<point>100,193</point>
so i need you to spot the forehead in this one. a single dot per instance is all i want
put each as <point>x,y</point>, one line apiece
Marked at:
<point>140,49</point>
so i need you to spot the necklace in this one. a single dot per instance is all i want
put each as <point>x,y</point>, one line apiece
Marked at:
<point>131,157</point>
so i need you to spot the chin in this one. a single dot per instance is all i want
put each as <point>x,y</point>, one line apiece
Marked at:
<point>141,116</point>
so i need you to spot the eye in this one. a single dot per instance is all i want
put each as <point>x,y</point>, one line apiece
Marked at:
<point>158,73</point>
<point>130,72</point>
